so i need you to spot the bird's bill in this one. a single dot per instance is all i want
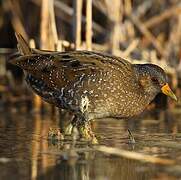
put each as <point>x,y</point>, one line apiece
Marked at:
<point>167,91</point>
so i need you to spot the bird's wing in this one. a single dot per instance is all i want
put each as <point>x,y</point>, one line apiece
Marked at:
<point>62,67</point>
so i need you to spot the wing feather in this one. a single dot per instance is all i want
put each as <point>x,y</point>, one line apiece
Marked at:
<point>65,67</point>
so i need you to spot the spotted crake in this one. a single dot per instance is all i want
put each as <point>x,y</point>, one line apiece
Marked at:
<point>90,84</point>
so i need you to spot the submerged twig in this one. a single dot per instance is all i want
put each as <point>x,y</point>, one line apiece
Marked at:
<point>134,155</point>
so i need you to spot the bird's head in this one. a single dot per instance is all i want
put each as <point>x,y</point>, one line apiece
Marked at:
<point>153,79</point>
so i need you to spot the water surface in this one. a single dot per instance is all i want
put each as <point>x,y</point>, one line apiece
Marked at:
<point>25,152</point>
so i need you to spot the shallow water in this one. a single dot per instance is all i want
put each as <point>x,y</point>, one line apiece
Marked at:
<point>25,152</point>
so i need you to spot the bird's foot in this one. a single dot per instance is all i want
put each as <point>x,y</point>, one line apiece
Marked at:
<point>131,137</point>
<point>86,132</point>
<point>54,134</point>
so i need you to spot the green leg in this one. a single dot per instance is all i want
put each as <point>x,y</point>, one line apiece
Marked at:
<point>84,128</point>
<point>86,132</point>
<point>68,127</point>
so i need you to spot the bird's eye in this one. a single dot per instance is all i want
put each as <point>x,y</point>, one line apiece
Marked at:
<point>155,80</point>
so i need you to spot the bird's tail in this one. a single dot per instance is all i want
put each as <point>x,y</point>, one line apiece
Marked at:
<point>22,45</point>
<point>26,58</point>
<point>24,48</point>
<point>24,52</point>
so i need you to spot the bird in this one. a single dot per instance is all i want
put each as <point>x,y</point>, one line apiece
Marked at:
<point>91,85</point>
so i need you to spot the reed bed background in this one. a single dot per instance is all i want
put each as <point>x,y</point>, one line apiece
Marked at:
<point>139,31</point>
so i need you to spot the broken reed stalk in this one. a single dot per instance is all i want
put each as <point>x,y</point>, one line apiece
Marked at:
<point>2,65</point>
<point>130,48</point>
<point>127,7</point>
<point>44,26</point>
<point>115,12</point>
<point>53,22</point>
<point>175,10</point>
<point>66,13</point>
<point>99,5</point>
<point>134,155</point>
<point>15,19</point>
<point>147,34</point>
<point>89,24</point>
<point>58,43</point>
<point>77,23</point>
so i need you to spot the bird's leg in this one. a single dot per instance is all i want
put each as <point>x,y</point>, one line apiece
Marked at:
<point>65,122</point>
<point>86,132</point>
<point>68,129</point>
<point>84,128</point>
